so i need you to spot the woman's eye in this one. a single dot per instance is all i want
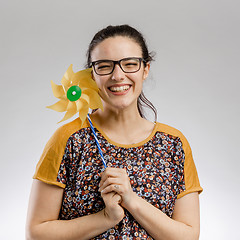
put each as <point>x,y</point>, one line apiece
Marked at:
<point>102,66</point>
<point>130,64</point>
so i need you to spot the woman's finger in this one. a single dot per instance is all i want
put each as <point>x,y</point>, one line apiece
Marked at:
<point>117,198</point>
<point>113,188</point>
<point>107,182</point>
<point>112,173</point>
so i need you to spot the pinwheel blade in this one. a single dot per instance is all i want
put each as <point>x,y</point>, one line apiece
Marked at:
<point>66,80</point>
<point>59,106</point>
<point>84,79</point>
<point>93,98</point>
<point>80,104</point>
<point>58,90</point>
<point>71,111</point>
<point>71,106</point>
<point>83,112</point>
<point>85,97</point>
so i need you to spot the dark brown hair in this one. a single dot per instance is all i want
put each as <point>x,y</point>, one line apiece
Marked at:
<point>132,33</point>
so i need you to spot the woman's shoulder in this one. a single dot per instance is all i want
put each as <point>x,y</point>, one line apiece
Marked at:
<point>66,130</point>
<point>63,133</point>
<point>161,127</point>
<point>50,160</point>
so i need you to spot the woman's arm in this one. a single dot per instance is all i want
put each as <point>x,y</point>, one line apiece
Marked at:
<point>184,225</point>
<point>44,206</point>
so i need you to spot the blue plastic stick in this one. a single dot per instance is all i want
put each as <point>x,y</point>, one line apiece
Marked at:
<point>97,142</point>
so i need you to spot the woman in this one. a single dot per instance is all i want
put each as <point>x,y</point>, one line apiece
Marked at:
<point>149,189</point>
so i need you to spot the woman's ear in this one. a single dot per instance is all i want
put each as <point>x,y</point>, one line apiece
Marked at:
<point>92,75</point>
<point>146,70</point>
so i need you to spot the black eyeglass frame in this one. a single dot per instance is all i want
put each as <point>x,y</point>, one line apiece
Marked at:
<point>118,63</point>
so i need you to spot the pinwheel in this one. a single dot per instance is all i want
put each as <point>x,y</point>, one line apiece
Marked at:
<point>77,93</point>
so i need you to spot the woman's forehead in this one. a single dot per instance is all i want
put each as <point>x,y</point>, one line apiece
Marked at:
<point>116,48</point>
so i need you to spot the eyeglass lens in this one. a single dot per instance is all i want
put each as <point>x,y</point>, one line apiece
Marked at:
<point>128,65</point>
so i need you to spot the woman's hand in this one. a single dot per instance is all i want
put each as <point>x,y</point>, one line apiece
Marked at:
<point>116,180</point>
<point>113,211</point>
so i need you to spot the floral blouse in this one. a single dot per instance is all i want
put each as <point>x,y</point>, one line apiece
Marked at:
<point>160,169</point>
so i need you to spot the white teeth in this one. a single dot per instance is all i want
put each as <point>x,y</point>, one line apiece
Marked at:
<point>119,89</point>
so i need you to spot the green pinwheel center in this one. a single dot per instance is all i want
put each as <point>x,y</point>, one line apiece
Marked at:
<point>74,93</point>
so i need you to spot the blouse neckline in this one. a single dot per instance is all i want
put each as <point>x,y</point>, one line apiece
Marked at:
<point>138,144</point>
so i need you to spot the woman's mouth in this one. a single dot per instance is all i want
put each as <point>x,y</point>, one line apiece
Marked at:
<point>119,88</point>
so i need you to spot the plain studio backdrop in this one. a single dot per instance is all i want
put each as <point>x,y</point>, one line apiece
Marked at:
<point>194,84</point>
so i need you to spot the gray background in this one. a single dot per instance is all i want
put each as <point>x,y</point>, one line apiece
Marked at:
<point>194,83</point>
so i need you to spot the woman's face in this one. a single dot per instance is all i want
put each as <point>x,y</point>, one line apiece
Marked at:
<point>119,90</point>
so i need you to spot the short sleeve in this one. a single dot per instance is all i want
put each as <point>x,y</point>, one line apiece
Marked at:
<point>63,171</point>
<point>48,167</point>
<point>188,180</point>
<point>191,179</point>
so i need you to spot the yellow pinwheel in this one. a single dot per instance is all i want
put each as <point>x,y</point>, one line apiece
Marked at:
<point>78,93</point>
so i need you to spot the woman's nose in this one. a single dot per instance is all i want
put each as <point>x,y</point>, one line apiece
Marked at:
<point>118,73</point>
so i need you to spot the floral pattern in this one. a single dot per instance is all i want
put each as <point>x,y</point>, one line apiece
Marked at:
<point>155,169</point>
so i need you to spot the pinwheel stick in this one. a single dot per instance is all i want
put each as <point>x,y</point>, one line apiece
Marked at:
<point>97,142</point>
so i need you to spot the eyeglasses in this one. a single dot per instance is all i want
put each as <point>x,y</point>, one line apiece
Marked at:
<point>128,65</point>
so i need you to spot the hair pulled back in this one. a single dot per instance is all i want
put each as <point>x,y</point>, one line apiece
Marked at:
<point>132,33</point>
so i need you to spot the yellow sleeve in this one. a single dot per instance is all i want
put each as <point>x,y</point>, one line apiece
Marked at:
<point>48,166</point>
<point>191,180</point>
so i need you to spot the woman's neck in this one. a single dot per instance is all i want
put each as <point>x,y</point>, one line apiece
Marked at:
<point>122,118</point>
<point>125,127</point>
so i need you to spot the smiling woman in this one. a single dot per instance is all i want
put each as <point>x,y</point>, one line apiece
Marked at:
<point>137,37</point>
<point>149,189</point>
<point>118,71</point>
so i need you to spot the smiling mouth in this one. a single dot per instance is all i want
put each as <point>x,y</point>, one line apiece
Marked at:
<point>119,89</point>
